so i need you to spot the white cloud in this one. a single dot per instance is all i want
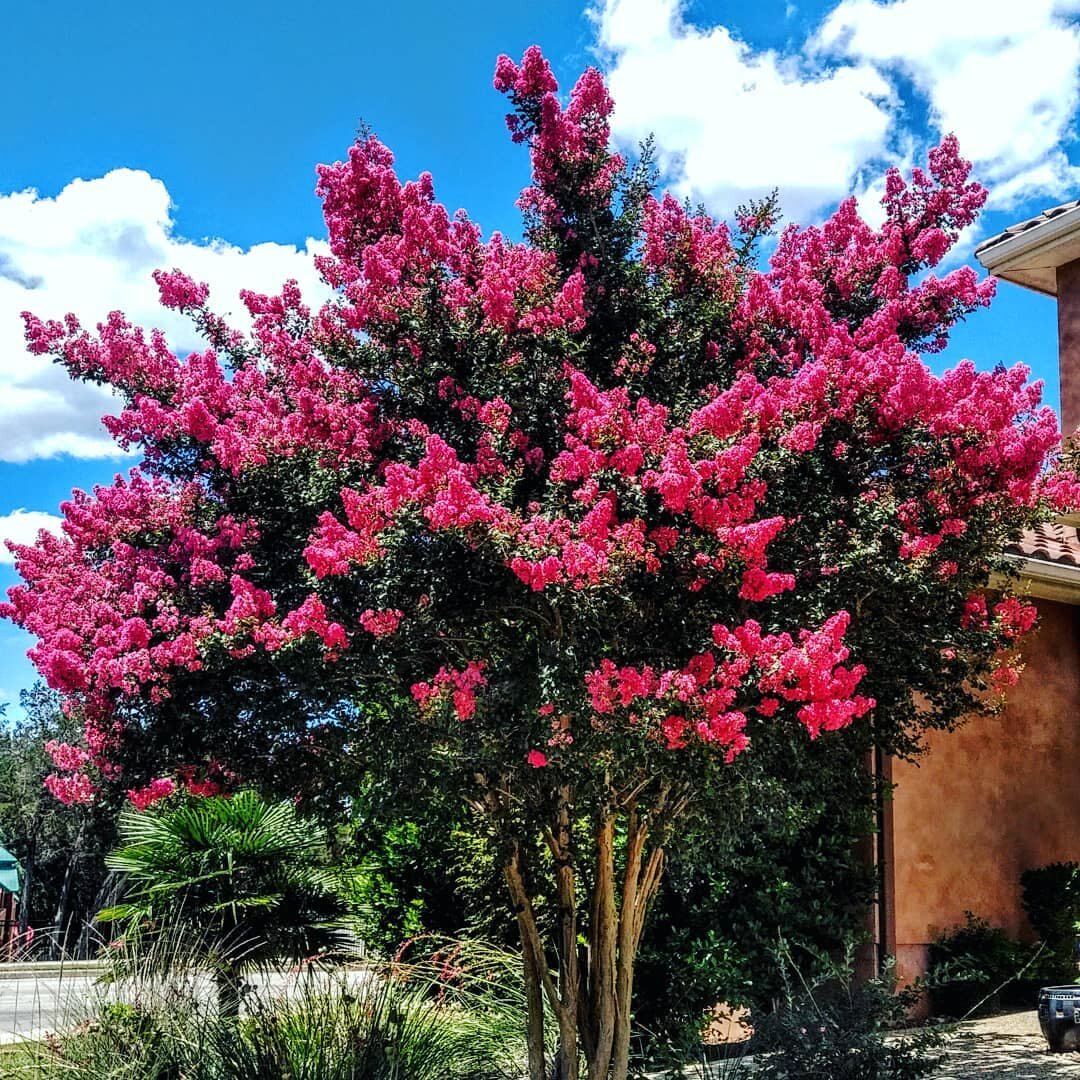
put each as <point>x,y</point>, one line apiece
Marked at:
<point>822,120</point>
<point>1001,74</point>
<point>731,122</point>
<point>91,250</point>
<point>23,526</point>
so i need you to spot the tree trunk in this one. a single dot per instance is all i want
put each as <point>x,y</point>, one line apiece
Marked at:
<point>561,844</point>
<point>107,896</point>
<point>534,1031</point>
<point>603,951</point>
<point>631,925</point>
<point>593,1002</point>
<point>227,980</point>
<point>538,978</point>
<point>28,875</point>
<point>65,889</point>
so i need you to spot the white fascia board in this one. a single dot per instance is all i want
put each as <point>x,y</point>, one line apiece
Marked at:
<point>1052,581</point>
<point>1042,246</point>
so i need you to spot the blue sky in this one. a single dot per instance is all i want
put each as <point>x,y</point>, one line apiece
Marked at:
<point>195,130</point>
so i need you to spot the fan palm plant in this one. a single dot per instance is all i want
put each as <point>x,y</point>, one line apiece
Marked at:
<point>233,882</point>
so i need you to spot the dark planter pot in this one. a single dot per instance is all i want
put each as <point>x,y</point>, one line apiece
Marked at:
<point>960,998</point>
<point>1059,1016</point>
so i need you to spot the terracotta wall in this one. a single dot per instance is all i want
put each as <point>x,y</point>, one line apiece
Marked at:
<point>990,800</point>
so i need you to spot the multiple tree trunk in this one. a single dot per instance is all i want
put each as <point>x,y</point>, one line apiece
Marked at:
<point>589,991</point>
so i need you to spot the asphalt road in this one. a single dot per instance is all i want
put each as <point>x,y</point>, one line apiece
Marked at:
<point>35,1002</point>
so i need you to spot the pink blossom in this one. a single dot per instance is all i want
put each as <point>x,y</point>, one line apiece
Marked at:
<point>71,790</point>
<point>381,623</point>
<point>67,757</point>
<point>179,291</point>
<point>311,618</point>
<point>155,791</point>
<point>459,685</point>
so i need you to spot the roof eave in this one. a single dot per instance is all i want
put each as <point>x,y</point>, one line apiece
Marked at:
<point>1030,258</point>
<point>1046,580</point>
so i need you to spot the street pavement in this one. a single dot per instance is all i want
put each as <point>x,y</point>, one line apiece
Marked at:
<point>33,1004</point>
<point>36,999</point>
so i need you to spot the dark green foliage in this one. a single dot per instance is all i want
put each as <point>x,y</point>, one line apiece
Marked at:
<point>61,848</point>
<point>397,889</point>
<point>785,864</point>
<point>423,867</point>
<point>838,1029</point>
<point>1051,896</point>
<point>971,964</point>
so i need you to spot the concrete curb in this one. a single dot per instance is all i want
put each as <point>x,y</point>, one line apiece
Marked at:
<point>52,968</point>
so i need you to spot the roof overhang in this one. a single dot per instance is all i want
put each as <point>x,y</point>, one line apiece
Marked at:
<point>9,872</point>
<point>1031,257</point>
<point>1045,580</point>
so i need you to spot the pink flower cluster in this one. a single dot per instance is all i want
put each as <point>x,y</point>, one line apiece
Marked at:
<point>111,623</point>
<point>67,757</point>
<point>154,792</point>
<point>311,618</point>
<point>205,787</point>
<point>754,670</point>
<point>460,685</point>
<point>392,244</point>
<point>688,250</point>
<point>441,485</point>
<point>381,623</point>
<point>74,790</point>
<point>569,147</point>
<point>277,401</point>
<point>163,787</point>
<point>613,442</point>
<point>1015,617</point>
<point>411,401</point>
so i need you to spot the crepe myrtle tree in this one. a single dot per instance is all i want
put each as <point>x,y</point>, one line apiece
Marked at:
<point>555,524</point>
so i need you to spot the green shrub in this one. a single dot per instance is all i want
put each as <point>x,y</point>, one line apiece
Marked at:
<point>837,1028</point>
<point>1051,898</point>
<point>971,964</point>
<point>783,864</point>
<point>427,868</point>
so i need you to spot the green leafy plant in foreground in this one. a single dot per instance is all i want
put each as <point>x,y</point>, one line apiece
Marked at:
<point>970,966</point>
<point>453,1014</point>
<point>1051,898</point>
<point>836,1028</point>
<point>234,883</point>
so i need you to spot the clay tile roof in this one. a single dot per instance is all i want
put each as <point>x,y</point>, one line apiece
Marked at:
<point>1031,223</point>
<point>1052,542</point>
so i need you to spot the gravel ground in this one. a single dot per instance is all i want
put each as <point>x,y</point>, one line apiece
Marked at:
<point>1006,1047</point>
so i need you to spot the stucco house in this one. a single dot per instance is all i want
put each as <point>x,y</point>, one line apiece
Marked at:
<point>1009,781</point>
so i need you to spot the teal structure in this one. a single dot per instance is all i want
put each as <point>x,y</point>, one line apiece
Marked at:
<point>9,872</point>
